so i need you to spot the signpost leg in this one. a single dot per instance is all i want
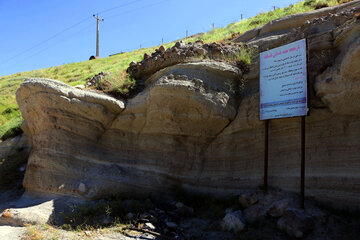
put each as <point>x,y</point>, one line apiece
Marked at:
<point>266,155</point>
<point>302,174</point>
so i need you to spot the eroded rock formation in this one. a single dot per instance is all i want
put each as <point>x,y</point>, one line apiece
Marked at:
<point>192,127</point>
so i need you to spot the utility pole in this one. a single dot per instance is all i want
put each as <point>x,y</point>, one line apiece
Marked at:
<point>187,34</point>
<point>213,25</point>
<point>241,17</point>
<point>97,33</point>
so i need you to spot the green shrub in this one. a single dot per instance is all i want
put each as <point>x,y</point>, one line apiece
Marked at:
<point>321,4</point>
<point>309,3</point>
<point>317,4</point>
<point>11,128</point>
<point>113,207</point>
<point>119,85</point>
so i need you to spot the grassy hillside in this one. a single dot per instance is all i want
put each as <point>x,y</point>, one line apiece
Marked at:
<point>77,73</point>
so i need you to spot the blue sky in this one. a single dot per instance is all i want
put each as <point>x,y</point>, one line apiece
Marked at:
<point>43,33</point>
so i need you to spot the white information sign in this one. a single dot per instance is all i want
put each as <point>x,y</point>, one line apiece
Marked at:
<point>283,82</point>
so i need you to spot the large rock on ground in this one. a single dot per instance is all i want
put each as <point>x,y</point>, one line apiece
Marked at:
<point>192,128</point>
<point>295,223</point>
<point>38,214</point>
<point>233,221</point>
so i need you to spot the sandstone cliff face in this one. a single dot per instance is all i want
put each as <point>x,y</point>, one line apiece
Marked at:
<point>87,144</point>
<point>191,128</point>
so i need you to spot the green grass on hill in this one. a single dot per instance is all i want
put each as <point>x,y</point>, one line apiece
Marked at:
<point>77,73</point>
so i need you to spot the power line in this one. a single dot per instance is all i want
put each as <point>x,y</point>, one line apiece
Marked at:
<point>41,43</point>
<point>66,29</point>
<point>120,6</point>
<point>62,40</point>
<point>136,9</point>
<point>78,23</point>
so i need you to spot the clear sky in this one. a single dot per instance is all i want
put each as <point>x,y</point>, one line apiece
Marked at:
<point>43,33</point>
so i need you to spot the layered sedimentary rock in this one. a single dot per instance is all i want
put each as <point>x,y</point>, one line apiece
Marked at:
<point>87,144</point>
<point>194,127</point>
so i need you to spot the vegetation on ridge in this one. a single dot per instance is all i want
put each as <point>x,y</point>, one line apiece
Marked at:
<point>77,73</point>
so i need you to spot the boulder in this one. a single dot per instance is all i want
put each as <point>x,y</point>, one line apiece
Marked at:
<point>233,222</point>
<point>38,214</point>
<point>278,208</point>
<point>295,223</point>
<point>255,213</point>
<point>171,225</point>
<point>247,200</point>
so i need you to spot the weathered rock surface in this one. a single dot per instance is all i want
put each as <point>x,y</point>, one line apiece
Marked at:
<point>182,53</point>
<point>191,128</point>
<point>332,156</point>
<point>104,149</point>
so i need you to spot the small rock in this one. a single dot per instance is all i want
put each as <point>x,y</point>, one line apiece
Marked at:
<point>132,64</point>
<point>295,223</point>
<point>278,208</point>
<point>167,55</point>
<point>233,222</point>
<point>162,49</point>
<point>146,56</point>
<point>179,205</point>
<point>160,211</point>
<point>82,187</point>
<point>190,54</point>
<point>247,200</point>
<point>149,226</point>
<point>180,44</point>
<point>200,51</point>
<point>171,225</point>
<point>23,167</point>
